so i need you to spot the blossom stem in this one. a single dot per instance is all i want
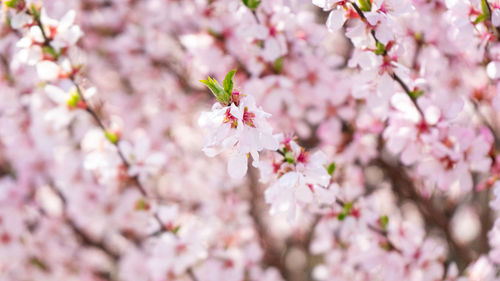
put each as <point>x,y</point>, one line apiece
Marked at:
<point>255,16</point>
<point>404,186</point>
<point>81,234</point>
<point>393,75</point>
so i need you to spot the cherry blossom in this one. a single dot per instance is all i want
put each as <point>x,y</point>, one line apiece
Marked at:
<point>372,128</point>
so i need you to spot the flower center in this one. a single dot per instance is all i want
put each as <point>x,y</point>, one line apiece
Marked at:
<point>248,118</point>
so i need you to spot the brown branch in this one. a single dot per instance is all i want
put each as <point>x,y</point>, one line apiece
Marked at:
<point>404,186</point>
<point>384,54</point>
<point>272,251</point>
<point>80,233</point>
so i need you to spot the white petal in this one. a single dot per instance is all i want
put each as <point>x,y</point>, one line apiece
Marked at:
<point>47,70</point>
<point>432,114</point>
<point>304,194</point>
<point>495,17</point>
<point>335,20</point>
<point>237,165</point>
<point>236,112</point>
<point>269,142</point>
<point>56,94</point>
<point>66,21</point>
<point>493,70</point>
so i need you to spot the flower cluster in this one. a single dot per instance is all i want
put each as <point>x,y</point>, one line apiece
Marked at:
<point>358,140</point>
<point>237,125</point>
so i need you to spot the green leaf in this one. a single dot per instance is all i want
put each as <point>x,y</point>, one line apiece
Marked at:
<point>10,3</point>
<point>345,211</point>
<point>380,49</point>
<point>51,51</point>
<point>365,5</point>
<point>385,245</point>
<point>38,263</point>
<point>485,7</point>
<point>228,82</point>
<point>112,137</point>
<point>252,4</point>
<point>35,11</point>
<point>73,100</point>
<point>347,207</point>
<point>384,221</point>
<point>141,205</point>
<point>331,168</point>
<point>176,229</point>
<point>278,65</point>
<point>289,157</point>
<point>480,18</point>
<point>416,94</point>
<point>219,92</point>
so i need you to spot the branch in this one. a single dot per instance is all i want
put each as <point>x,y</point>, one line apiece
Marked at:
<point>80,233</point>
<point>403,185</point>
<point>393,75</point>
<point>272,252</point>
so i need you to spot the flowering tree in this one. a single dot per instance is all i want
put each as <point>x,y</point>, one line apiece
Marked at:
<point>366,148</point>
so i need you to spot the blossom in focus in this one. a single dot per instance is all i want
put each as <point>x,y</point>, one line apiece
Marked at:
<point>239,127</point>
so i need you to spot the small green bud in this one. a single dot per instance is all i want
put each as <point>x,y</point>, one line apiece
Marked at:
<point>384,221</point>
<point>347,207</point>
<point>73,100</point>
<point>380,49</point>
<point>176,229</point>
<point>416,94</point>
<point>39,263</point>
<point>289,157</point>
<point>112,137</point>
<point>252,4</point>
<point>331,169</point>
<point>345,211</point>
<point>365,5</point>
<point>35,11</point>
<point>278,65</point>
<point>10,3</point>
<point>49,50</point>
<point>141,205</point>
